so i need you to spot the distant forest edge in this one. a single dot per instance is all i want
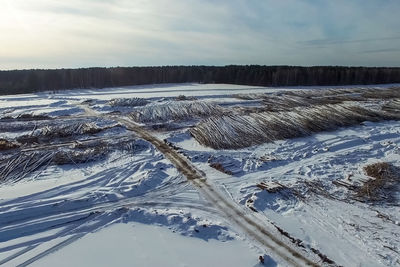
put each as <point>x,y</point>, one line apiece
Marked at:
<point>29,81</point>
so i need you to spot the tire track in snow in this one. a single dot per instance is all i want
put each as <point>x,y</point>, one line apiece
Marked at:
<point>52,249</point>
<point>246,222</point>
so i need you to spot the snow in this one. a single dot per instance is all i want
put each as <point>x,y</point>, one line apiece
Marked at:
<point>353,229</point>
<point>128,244</point>
<point>133,207</point>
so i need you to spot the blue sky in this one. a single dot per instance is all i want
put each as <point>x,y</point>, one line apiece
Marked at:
<point>83,33</point>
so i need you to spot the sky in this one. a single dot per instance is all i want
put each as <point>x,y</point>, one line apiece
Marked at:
<point>86,33</point>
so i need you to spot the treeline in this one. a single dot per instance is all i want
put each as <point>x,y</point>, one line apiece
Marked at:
<point>28,81</point>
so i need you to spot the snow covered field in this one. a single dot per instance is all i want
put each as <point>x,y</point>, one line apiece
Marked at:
<point>97,177</point>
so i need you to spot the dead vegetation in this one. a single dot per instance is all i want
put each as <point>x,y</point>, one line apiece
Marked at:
<point>17,166</point>
<point>382,185</point>
<point>392,106</point>
<point>175,111</point>
<point>238,131</point>
<point>7,145</point>
<point>49,132</point>
<point>33,117</point>
<point>277,189</point>
<point>68,130</point>
<point>220,167</point>
<point>287,100</point>
<point>82,155</point>
<point>184,98</point>
<point>28,140</point>
<point>16,126</point>
<point>27,117</point>
<point>128,102</point>
<point>271,187</point>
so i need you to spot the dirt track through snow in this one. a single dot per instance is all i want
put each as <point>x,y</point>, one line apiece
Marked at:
<point>247,223</point>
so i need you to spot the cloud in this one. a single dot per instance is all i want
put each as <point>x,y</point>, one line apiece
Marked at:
<point>325,42</point>
<point>75,33</point>
<point>385,50</point>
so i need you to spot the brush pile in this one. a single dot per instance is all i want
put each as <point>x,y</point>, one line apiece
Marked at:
<point>19,165</point>
<point>392,106</point>
<point>128,102</point>
<point>175,111</point>
<point>286,101</point>
<point>383,183</point>
<point>57,131</point>
<point>185,98</point>
<point>7,145</point>
<point>33,117</point>
<point>243,130</point>
<point>17,126</point>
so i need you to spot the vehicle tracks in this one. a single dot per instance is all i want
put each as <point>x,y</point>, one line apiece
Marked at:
<point>249,224</point>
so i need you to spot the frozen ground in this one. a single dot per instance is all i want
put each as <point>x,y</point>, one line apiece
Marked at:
<point>135,239</point>
<point>126,203</point>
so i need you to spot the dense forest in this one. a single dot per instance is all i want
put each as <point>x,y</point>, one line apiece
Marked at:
<point>28,81</point>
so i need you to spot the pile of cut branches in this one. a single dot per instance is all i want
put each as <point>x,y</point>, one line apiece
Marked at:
<point>382,185</point>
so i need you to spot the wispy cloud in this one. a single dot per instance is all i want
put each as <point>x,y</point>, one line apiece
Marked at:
<point>325,42</point>
<point>385,50</point>
<point>74,33</point>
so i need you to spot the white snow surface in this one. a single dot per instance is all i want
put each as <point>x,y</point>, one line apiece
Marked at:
<point>134,208</point>
<point>128,244</point>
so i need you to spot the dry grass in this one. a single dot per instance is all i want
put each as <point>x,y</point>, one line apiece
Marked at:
<point>384,180</point>
<point>239,131</point>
